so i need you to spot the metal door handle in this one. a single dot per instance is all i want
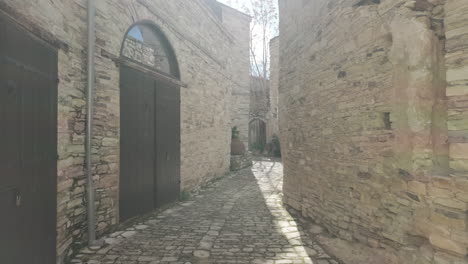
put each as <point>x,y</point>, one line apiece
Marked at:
<point>18,198</point>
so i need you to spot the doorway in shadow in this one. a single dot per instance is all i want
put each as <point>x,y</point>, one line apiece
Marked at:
<point>257,135</point>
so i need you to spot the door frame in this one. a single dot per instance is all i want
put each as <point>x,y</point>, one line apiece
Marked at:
<point>169,80</point>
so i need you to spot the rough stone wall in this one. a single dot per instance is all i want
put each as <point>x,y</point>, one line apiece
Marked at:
<point>264,94</point>
<point>272,116</point>
<point>364,122</point>
<point>238,24</point>
<point>203,49</point>
<point>216,7</point>
<point>456,24</point>
<point>259,111</point>
<point>259,98</point>
<point>456,61</point>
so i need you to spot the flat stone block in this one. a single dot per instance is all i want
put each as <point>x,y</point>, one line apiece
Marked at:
<point>459,165</point>
<point>457,90</point>
<point>457,74</point>
<point>201,254</point>
<point>448,244</point>
<point>459,151</point>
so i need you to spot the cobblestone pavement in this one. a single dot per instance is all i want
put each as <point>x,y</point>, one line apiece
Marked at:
<point>238,219</point>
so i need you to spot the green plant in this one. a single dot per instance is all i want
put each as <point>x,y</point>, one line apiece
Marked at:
<point>234,133</point>
<point>185,195</point>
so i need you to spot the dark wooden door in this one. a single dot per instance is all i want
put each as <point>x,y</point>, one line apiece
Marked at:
<point>257,134</point>
<point>137,143</point>
<point>150,143</point>
<point>167,143</point>
<point>28,147</point>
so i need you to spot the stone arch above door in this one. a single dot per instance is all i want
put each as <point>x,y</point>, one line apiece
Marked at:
<point>146,44</point>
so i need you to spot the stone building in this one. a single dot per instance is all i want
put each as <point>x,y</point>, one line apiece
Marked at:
<point>263,125</point>
<point>238,24</point>
<point>272,115</point>
<point>373,119</point>
<point>259,108</point>
<point>186,44</point>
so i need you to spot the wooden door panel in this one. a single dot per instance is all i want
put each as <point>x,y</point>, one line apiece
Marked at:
<point>150,143</point>
<point>167,143</point>
<point>137,141</point>
<point>28,147</point>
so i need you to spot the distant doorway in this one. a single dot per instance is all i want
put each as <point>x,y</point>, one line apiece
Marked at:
<point>257,135</point>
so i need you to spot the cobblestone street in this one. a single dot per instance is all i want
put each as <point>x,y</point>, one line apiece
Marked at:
<point>238,219</point>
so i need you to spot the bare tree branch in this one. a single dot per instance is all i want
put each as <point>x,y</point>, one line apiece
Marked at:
<point>264,25</point>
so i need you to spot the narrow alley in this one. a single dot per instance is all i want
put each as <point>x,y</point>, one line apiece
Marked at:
<point>238,219</point>
<point>234,131</point>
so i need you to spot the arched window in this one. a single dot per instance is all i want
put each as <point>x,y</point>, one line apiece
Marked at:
<point>146,44</point>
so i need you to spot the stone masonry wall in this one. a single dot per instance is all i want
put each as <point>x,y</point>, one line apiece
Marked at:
<point>456,24</point>
<point>259,98</point>
<point>272,116</point>
<point>203,49</point>
<point>264,94</point>
<point>456,61</point>
<point>238,24</point>
<point>364,122</point>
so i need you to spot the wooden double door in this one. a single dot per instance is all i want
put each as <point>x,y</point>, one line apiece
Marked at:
<point>28,147</point>
<point>257,134</point>
<point>150,142</point>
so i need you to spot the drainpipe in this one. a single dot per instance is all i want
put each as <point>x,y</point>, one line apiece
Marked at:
<point>89,126</point>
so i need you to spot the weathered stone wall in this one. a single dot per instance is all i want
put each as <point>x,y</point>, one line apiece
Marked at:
<point>204,51</point>
<point>264,94</point>
<point>238,24</point>
<point>456,24</point>
<point>215,7</point>
<point>259,97</point>
<point>259,108</point>
<point>364,123</point>
<point>272,115</point>
<point>456,61</point>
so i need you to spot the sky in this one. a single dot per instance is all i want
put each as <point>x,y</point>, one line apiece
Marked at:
<point>135,32</point>
<point>256,34</point>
